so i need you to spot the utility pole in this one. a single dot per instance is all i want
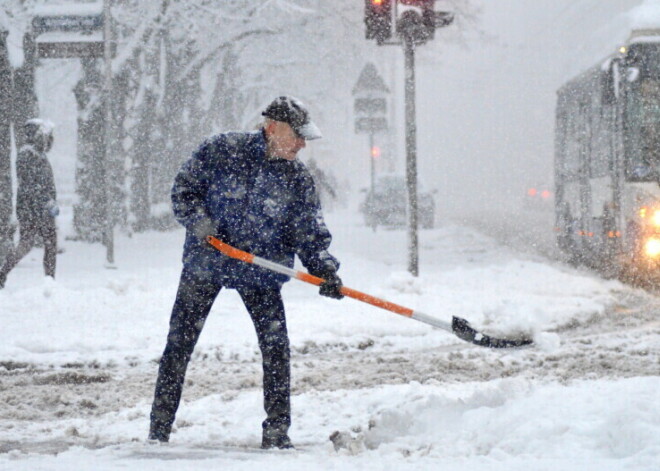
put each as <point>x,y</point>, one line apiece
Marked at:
<point>411,156</point>
<point>370,109</point>
<point>372,161</point>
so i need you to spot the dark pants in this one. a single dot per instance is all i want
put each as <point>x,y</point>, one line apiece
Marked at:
<point>30,229</point>
<point>194,299</point>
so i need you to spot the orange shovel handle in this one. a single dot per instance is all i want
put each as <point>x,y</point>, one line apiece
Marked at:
<point>458,326</point>
<point>238,254</point>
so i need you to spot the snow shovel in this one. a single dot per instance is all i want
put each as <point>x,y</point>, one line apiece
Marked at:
<point>460,327</point>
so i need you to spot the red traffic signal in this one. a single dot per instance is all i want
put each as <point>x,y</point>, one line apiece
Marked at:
<point>378,19</point>
<point>375,152</point>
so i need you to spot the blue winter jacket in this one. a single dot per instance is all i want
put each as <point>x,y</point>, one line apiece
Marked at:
<point>266,206</point>
<point>36,185</point>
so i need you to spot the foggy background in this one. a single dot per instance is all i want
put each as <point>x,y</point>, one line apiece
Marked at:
<point>485,93</point>
<point>487,125</point>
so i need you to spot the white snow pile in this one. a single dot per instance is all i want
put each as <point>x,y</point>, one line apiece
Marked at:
<point>504,420</point>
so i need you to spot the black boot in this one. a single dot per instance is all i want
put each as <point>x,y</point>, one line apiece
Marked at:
<point>276,439</point>
<point>159,434</point>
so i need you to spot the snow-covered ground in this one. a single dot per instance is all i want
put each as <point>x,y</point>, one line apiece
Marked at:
<point>78,364</point>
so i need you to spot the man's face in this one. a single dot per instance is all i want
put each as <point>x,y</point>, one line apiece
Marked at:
<point>283,142</point>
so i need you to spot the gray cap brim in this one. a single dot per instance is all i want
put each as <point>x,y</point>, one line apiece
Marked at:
<point>309,131</point>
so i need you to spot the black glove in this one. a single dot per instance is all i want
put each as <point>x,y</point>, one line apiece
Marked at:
<point>203,228</point>
<point>331,287</point>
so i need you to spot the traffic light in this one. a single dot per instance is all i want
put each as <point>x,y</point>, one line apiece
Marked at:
<point>415,20</point>
<point>378,19</point>
<point>375,152</point>
<point>418,20</point>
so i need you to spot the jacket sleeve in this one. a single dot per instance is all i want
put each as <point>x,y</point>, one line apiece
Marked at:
<point>192,182</point>
<point>310,233</point>
<point>49,182</point>
<point>26,174</point>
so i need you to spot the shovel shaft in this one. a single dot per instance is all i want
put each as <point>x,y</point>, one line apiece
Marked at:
<point>307,278</point>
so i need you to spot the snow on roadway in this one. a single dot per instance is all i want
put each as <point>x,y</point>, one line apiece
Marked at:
<point>77,364</point>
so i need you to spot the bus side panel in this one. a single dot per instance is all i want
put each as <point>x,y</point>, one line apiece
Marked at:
<point>585,170</point>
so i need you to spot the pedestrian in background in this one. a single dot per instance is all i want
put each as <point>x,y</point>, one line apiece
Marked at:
<point>249,190</point>
<point>36,198</point>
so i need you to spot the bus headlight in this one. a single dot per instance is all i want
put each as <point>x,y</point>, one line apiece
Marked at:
<point>652,247</point>
<point>651,215</point>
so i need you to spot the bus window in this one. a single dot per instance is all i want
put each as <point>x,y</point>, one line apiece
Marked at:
<point>572,163</point>
<point>649,121</point>
<point>643,122</point>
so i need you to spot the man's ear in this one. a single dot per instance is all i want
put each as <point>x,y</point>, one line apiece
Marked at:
<point>269,127</point>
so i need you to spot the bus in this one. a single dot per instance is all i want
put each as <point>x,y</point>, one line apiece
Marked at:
<point>607,161</point>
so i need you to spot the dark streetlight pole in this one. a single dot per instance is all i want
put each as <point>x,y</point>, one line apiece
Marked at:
<point>411,156</point>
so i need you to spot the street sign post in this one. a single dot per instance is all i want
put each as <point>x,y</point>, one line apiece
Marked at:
<point>81,23</point>
<point>370,125</point>
<point>69,31</point>
<point>370,109</point>
<point>58,46</point>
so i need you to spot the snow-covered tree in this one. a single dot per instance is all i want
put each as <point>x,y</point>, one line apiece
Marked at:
<point>5,144</point>
<point>187,69</point>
